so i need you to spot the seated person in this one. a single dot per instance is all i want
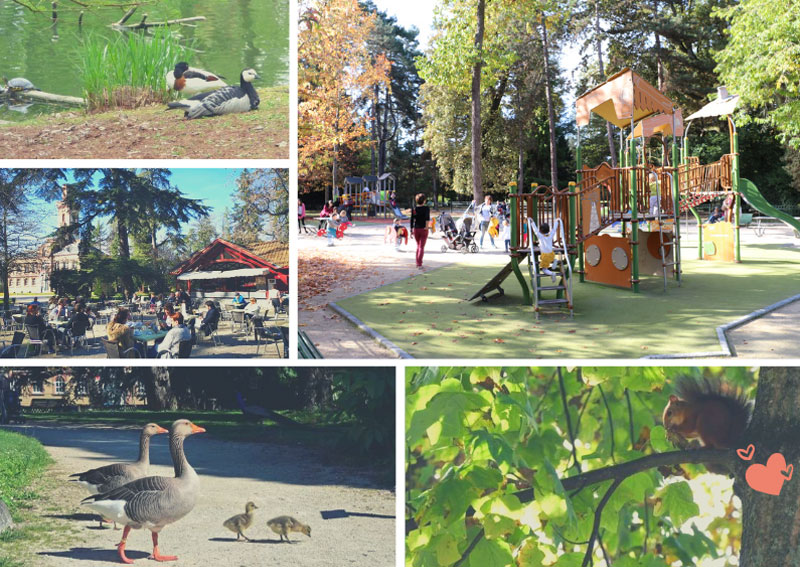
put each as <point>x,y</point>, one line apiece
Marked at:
<point>716,216</point>
<point>120,333</point>
<point>251,309</point>
<point>239,302</point>
<point>46,333</point>
<point>211,318</point>
<point>172,342</point>
<point>77,324</point>
<point>165,317</point>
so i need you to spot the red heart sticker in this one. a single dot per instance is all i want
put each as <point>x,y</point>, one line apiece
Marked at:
<point>746,454</point>
<point>769,478</point>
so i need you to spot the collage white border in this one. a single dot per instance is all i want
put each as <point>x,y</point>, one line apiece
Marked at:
<point>400,366</point>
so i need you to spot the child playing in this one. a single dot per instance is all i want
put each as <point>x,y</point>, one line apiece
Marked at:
<point>505,233</point>
<point>546,256</point>
<point>333,224</point>
<point>400,234</point>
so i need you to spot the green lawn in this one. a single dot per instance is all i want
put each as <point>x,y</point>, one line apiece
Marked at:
<point>428,315</point>
<point>22,459</point>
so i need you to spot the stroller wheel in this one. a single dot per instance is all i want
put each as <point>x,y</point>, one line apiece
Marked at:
<point>444,248</point>
<point>473,248</point>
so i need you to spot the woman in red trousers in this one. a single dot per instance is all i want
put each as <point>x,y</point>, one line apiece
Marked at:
<point>419,226</point>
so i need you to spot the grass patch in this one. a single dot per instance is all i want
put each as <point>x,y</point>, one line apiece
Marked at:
<point>22,459</point>
<point>428,315</point>
<point>129,72</point>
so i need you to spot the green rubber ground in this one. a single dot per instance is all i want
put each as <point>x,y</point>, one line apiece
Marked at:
<point>428,317</point>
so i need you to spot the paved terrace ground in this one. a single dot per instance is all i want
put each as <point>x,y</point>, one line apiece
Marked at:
<point>233,343</point>
<point>426,314</point>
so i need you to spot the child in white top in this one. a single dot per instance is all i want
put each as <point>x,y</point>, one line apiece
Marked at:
<point>505,233</point>
<point>333,224</point>
<point>546,256</point>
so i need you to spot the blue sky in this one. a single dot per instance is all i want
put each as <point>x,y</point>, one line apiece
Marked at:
<point>214,186</point>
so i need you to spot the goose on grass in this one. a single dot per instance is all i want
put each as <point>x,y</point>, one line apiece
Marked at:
<point>227,100</point>
<point>109,477</point>
<point>190,80</point>
<point>153,502</point>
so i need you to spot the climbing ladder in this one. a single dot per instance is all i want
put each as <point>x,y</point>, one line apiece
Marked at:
<point>563,287</point>
<point>662,244</point>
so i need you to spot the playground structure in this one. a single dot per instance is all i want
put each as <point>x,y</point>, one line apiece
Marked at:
<point>643,199</point>
<point>369,194</point>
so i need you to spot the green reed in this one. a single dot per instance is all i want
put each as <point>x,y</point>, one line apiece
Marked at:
<point>129,71</point>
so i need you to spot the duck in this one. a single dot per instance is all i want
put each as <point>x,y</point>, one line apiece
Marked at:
<point>227,100</point>
<point>190,80</point>
<point>240,522</point>
<point>109,477</point>
<point>283,525</point>
<point>153,502</point>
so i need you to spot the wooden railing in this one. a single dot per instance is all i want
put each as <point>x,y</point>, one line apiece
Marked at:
<point>543,205</point>
<point>711,178</point>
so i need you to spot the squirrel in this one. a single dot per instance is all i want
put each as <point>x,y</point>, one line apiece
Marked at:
<point>710,410</point>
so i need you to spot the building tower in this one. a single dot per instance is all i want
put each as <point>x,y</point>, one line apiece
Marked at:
<point>66,216</point>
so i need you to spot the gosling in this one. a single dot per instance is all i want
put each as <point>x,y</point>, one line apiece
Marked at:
<point>282,525</point>
<point>240,522</point>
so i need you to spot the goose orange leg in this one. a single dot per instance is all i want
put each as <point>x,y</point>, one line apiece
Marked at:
<point>121,546</point>
<point>156,555</point>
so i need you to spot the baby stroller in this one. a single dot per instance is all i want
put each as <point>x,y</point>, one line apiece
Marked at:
<point>460,240</point>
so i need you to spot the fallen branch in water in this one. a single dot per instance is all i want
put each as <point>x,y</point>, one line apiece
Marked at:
<point>144,24</point>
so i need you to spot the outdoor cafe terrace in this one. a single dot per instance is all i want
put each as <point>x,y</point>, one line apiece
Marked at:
<point>235,336</point>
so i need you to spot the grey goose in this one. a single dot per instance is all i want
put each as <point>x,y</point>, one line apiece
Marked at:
<point>227,100</point>
<point>153,502</point>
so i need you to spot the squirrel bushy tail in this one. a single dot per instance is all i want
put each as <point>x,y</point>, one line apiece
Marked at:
<point>697,391</point>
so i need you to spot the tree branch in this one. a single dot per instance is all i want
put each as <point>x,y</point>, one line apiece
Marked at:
<point>597,515</point>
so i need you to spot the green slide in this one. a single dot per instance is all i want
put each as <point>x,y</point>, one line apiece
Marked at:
<point>756,200</point>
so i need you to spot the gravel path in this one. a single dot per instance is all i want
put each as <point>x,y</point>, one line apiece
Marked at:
<point>279,479</point>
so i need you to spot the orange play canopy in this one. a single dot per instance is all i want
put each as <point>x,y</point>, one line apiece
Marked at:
<point>660,124</point>
<point>623,97</point>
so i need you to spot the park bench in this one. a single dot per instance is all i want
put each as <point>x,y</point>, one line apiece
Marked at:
<point>46,405</point>
<point>305,347</point>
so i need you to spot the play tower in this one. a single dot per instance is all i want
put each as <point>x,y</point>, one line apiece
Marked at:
<point>615,225</point>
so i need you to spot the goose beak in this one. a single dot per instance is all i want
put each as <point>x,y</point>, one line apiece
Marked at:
<point>197,429</point>
<point>160,429</point>
<point>257,75</point>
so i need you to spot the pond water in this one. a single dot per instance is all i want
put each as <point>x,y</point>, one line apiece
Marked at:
<point>236,34</point>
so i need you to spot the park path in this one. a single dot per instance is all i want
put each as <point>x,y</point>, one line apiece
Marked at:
<point>280,479</point>
<point>362,262</point>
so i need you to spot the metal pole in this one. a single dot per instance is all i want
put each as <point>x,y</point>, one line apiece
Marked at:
<point>735,188</point>
<point>634,216</point>
<point>676,204</point>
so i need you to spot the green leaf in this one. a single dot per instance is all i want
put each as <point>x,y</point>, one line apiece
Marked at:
<point>491,553</point>
<point>658,439</point>
<point>446,549</point>
<point>676,502</point>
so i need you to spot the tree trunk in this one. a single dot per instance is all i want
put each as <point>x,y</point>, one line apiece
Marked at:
<point>551,115</point>
<point>477,169</point>
<point>384,134</point>
<point>332,189</point>
<point>5,264</point>
<point>376,129</point>
<point>771,524</point>
<point>158,386</point>
<point>599,46</point>
<point>124,252</point>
